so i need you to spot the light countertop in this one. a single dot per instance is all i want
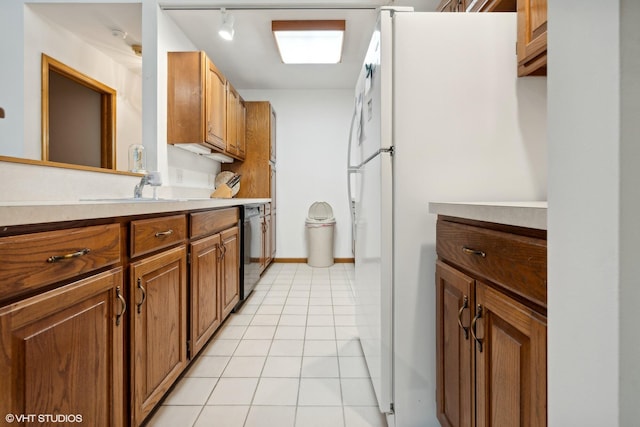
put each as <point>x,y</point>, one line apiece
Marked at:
<point>38,212</point>
<point>521,214</point>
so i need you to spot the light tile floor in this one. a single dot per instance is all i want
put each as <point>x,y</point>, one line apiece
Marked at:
<point>290,357</point>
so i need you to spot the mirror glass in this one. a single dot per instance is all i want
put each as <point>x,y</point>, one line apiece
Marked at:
<point>98,40</point>
<point>78,117</point>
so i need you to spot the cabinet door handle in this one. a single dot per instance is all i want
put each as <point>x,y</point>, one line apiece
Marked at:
<point>473,327</point>
<point>470,251</point>
<point>144,295</point>
<point>465,304</point>
<point>159,234</point>
<point>124,305</point>
<point>223,251</point>
<point>56,258</point>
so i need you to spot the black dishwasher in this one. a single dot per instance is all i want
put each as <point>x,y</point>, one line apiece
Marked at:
<point>250,251</point>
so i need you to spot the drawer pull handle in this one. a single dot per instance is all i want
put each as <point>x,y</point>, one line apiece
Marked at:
<point>56,258</point>
<point>473,327</point>
<point>164,233</point>
<point>124,305</point>
<point>223,251</point>
<point>465,304</point>
<point>144,295</point>
<point>470,251</point>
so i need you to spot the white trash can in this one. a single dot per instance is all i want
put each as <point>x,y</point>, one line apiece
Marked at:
<point>320,225</point>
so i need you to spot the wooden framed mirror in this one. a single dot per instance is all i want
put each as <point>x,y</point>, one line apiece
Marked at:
<point>78,117</point>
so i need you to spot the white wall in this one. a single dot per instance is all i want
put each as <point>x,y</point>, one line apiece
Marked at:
<point>312,130</point>
<point>593,233</point>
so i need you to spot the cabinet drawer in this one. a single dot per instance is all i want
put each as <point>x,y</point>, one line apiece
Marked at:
<point>515,262</point>
<point>148,235</point>
<point>35,260</point>
<point>203,223</point>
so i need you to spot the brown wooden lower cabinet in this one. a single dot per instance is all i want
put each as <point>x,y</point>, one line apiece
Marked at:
<point>158,327</point>
<point>206,314</point>
<point>490,341</point>
<point>511,355</point>
<point>230,270</point>
<point>62,353</point>
<point>65,350</point>
<point>214,285</point>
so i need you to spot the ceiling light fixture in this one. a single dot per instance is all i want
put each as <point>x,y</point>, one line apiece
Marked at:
<point>226,30</point>
<point>309,42</point>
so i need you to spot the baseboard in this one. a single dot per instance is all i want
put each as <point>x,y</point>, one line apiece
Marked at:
<point>304,260</point>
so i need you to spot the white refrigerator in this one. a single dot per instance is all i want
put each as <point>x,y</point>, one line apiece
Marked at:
<point>440,115</point>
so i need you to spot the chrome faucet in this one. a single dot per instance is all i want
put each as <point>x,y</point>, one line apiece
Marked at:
<point>137,192</point>
<point>151,178</point>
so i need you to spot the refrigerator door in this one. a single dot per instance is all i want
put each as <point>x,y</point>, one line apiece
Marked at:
<point>373,274</point>
<point>373,287</point>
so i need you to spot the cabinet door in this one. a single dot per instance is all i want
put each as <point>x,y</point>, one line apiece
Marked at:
<point>532,37</point>
<point>158,328</point>
<point>511,367</point>
<point>230,269</point>
<point>454,391</point>
<point>62,352</point>
<point>205,295</point>
<point>216,106</point>
<point>232,120</point>
<point>272,135</point>
<point>241,128</point>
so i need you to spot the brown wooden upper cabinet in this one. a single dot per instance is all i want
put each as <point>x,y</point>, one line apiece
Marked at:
<point>532,28</point>
<point>532,38</point>
<point>236,123</point>
<point>199,112</point>
<point>215,108</point>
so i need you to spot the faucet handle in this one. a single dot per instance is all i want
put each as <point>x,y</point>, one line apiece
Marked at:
<point>154,178</point>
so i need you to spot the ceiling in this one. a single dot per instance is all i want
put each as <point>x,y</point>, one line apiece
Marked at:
<point>250,60</point>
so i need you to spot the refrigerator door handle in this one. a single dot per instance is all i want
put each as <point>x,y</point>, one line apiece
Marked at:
<point>353,121</point>
<point>374,155</point>
<point>350,171</point>
<point>352,209</point>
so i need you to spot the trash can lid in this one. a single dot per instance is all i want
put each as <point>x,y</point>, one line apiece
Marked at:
<point>320,212</point>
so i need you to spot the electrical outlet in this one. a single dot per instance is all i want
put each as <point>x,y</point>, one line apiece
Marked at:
<point>179,176</point>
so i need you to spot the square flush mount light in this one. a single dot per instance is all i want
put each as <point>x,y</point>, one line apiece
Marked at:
<point>309,42</point>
